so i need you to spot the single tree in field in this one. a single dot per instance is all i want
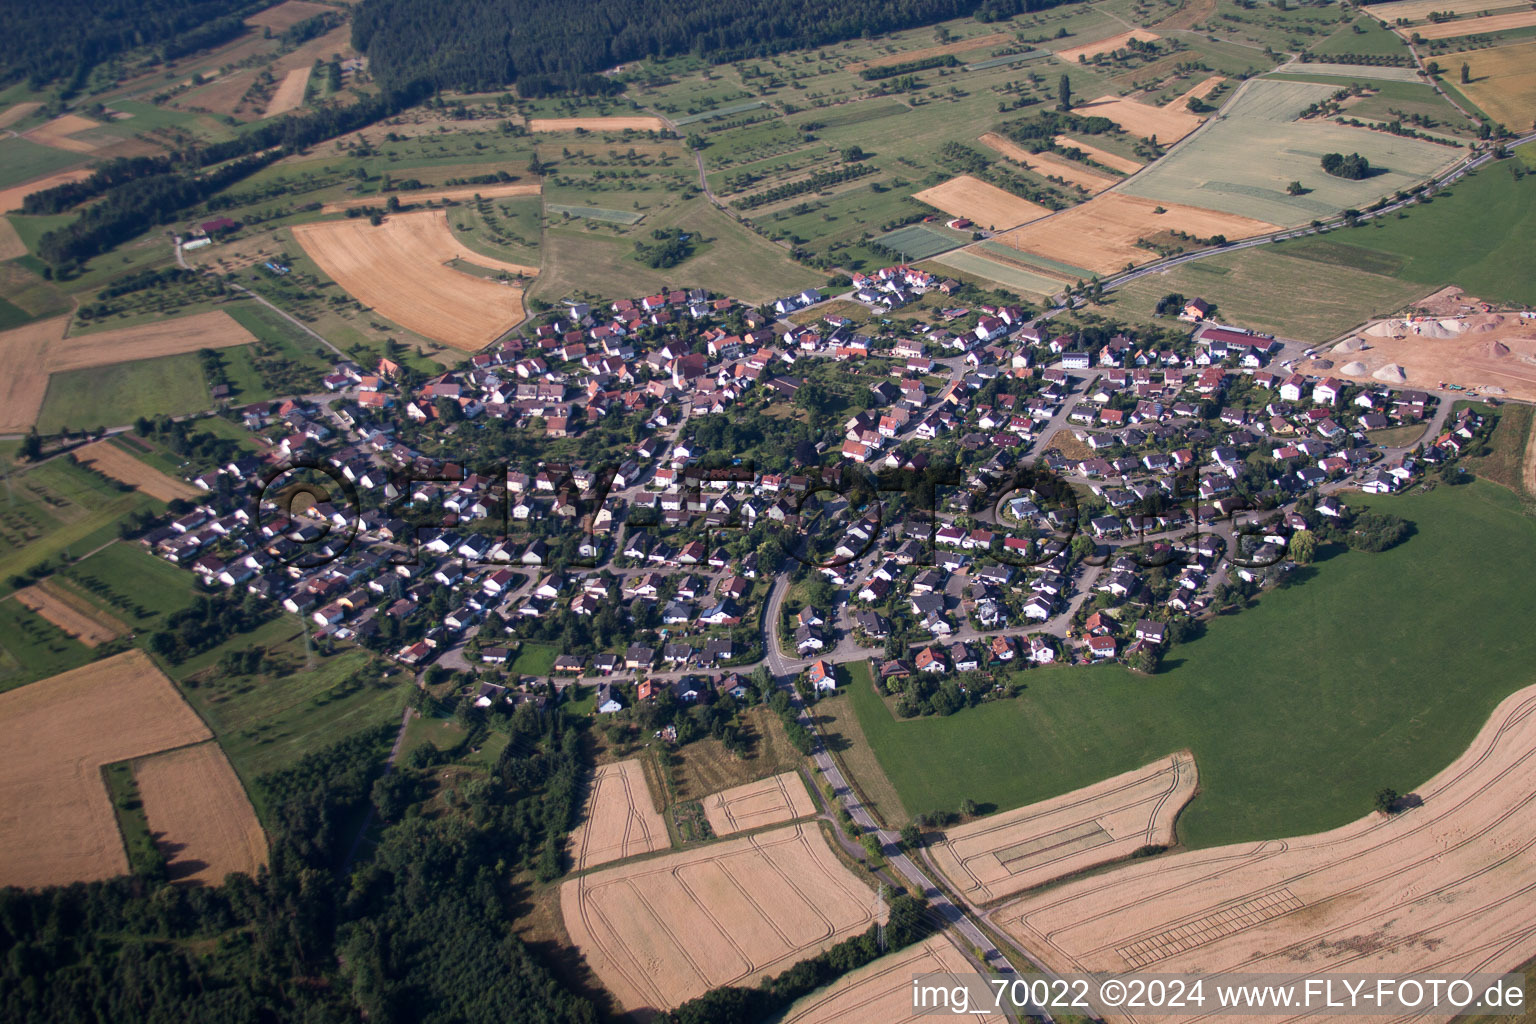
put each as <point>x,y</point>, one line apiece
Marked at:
<point>1303,547</point>
<point>1064,92</point>
<point>1295,188</point>
<point>1386,801</point>
<point>1466,72</point>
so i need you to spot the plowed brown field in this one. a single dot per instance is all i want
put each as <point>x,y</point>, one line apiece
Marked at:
<point>400,269</point>
<point>661,931</point>
<point>56,821</point>
<point>1442,886</point>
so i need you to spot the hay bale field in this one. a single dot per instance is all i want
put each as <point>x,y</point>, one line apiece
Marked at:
<point>1049,164</point>
<point>400,269</point>
<point>459,194</point>
<point>1215,169</point>
<point>289,92</point>
<point>106,457</point>
<point>1004,854</point>
<point>620,819</point>
<point>1100,156</point>
<point>199,814</point>
<point>937,50</point>
<point>769,801</point>
<point>596,124</point>
<point>882,991</point>
<point>74,615</point>
<point>59,133</point>
<point>1477,26</point>
<point>1431,888</point>
<point>1107,45</point>
<point>1167,124</point>
<point>1101,234</point>
<point>56,821</point>
<point>659,932</point>
<point>1504,83</point>
<point>986,205</point>
<point>11,198</point>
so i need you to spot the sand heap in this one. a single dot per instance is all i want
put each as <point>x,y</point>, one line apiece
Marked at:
<point>1392,374</point>
<point>1387,329</point>
<point>1494,389</point>
<point>1354,369</point>
<point>1351,344</point>
<point>1323,364</point>
<point>1441,329</point>
<point>1490,349</point>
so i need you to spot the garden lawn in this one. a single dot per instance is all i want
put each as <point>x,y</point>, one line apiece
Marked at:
<point>1376,672</point>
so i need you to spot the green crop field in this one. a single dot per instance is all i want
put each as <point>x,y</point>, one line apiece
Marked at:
<point>1476,236</point>
<point>22,160</point>
<point>1214,170</point>
<point>110,396</point>
<point>1297,710</point>
<point>33,648</point>
<point>1340,292</point>
<point>920,241</point>
<point>1014,278</point>
<point>132,584</point>
<point>13,316</point>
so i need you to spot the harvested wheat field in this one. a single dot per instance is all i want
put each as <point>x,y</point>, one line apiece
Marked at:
<point>937,50</point>
<point>58,133</point>
<point>11,245</point>
<point>458,194</point>
<point>11,198</point>
<point>1200,91</point>
<point>18,112</point>
<point>400,270</point>
<point>1004,854</point>
<point>620,819</point>
<point>1049,164</point>
<point>1415,10</point>
<point>768,801</point>
<point>1100,235</point>
<point>1100,156</point>
<point>1442,886</point>
<point>596,124</point>
<point>106,457</point>
<point>1109,45</point>
<point>289,92</point>
<point>659,932</point>
<point>199,814</point>
<point>1477,26</point>
<point>24,354</point>
<point>74,615</point>
<point>213,329</point>
<point>285,15</point>
<point>1494,352</point>
<point>881,992</point>
<point>1166,124</point>
<point>56,821</point>
<point>986,205</point>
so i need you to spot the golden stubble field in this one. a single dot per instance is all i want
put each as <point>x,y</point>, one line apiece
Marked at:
<point>1101,234</point>
<point>881,992</point>
<point>620,818</point>
<point>771,801</point>
<point>106,457</point>
<point>71,613</point>
<point>1167,124</point>
<point>199,814</point>
<point>985,204</point>
<point>400,269</point>
<point>1106,45</point>
<point>56,821</point>
<point>1101,156</point>
<point>289,92</point>
<point>1004,854</point>
<point>1049,164</point>
<point>11,198</point>
<point>660,931</point>
<point>596,124</point>
<point>1443,886</point>
<point>37,350</point>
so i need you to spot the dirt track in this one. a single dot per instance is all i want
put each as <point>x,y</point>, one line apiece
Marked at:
<point>1004,854</point>
<point>986,205</point>
<point>199,815</point>
<point>1445,885</point>
<point>56,822</point>
<point>399,268</point>
<point>660,931</point>
<point>620,819</point>
<point>768,801</point>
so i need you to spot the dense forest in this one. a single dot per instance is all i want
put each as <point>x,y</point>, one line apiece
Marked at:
<point>485,44</point>
<point>66,38</point>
